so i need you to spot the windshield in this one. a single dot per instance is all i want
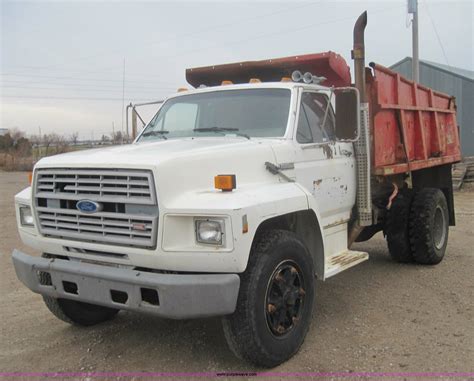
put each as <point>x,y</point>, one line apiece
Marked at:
<point>246,113</point>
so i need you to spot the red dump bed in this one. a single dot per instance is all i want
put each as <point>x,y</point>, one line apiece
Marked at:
<point>412,127</point>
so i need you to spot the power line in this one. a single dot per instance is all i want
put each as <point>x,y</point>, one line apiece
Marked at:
<point>118,81</point>
<point>88,86</point>
<point>187,34</point>
<point>259,36</point>
<point>436,32</point>
<point>117,90</point>
<point>287,31</point>
<point>77,98</point>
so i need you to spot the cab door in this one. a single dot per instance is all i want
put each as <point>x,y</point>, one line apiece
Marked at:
<point>326,168</point>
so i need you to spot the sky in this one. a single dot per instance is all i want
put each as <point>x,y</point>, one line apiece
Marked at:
<point>68,66</point>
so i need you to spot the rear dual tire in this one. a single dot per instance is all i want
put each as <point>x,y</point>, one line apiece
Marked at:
<point>429,226</point>
<point>417,226</point>
<point>397,227</point>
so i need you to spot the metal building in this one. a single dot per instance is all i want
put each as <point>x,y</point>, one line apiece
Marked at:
<point>453,81</point>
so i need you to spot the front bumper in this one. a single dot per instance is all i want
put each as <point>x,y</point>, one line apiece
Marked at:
<point>180,296</point>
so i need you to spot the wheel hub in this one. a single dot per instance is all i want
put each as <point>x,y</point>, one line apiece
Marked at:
<point>284,298</point>
<point>439,230</point>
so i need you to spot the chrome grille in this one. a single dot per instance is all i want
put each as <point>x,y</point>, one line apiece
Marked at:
<point>131,218</point>
<point>104,185</point>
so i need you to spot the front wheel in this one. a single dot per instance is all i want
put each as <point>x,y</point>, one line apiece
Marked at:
<point>79,313</point>
<point>72,311</point>
<point>275,302</point>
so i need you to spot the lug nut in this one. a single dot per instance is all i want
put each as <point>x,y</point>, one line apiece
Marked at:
<point>271,308</point>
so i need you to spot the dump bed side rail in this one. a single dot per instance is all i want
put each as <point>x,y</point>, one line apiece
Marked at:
<point>413,127</point>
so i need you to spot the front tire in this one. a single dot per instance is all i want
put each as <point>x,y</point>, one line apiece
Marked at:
<point>275,302</point>
<point>429,226</point>
<point>79,313</point>
<point>74,312</point>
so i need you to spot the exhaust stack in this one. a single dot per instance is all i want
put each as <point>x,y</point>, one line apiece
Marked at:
<point>358,55</point>
<point>362,148</point>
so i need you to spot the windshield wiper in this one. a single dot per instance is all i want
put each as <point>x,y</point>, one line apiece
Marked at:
<point>157,133</point>
<point>221,129</point>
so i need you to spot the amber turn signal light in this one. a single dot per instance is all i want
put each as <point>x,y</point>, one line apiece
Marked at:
<point>30,177</point>
<point>225,182</point>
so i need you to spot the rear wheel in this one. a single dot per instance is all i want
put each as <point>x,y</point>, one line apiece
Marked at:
<point>275,301</point>
<point>429,226</point>
<point>397,227</point>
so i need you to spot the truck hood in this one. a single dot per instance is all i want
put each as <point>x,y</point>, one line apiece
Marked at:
<point>182,166</point>
<point>149,153</point>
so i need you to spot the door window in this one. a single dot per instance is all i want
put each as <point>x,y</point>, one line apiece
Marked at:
<point>316,119</point>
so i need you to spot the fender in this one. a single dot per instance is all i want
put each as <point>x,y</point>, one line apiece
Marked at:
<point>260,204</point>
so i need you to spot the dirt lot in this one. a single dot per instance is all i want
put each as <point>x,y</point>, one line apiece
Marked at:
<point>378,317</point>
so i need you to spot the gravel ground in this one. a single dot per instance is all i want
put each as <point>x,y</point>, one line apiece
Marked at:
<point>377,317</point>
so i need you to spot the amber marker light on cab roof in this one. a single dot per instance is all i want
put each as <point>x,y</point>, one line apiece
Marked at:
<point>226,82</point>
<point>225,183</point>
<point>181,89</point>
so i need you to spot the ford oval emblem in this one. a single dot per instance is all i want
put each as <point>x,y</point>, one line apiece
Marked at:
<point>88,206</point>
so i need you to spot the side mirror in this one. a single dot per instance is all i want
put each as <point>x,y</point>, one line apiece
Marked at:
<point>347,114</point>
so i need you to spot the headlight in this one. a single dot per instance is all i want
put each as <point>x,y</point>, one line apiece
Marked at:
<point>210,231</point>
<point>26,218</point>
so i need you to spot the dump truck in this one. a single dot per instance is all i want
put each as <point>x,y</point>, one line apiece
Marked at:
<point>240,193</point>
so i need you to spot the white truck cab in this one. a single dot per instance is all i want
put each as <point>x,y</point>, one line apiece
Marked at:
<point>148,226</point>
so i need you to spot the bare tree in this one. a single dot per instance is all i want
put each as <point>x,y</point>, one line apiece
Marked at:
<point>117,137</point>
<point>104,139</point>
<point>16,134</point>
<point>74,138</point>
<point>35,140</point>
<point>47,141</point>
<point>60,143</point>
<point>36,143</point>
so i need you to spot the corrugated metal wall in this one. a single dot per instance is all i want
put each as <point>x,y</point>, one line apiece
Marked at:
<point>462,89</point>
